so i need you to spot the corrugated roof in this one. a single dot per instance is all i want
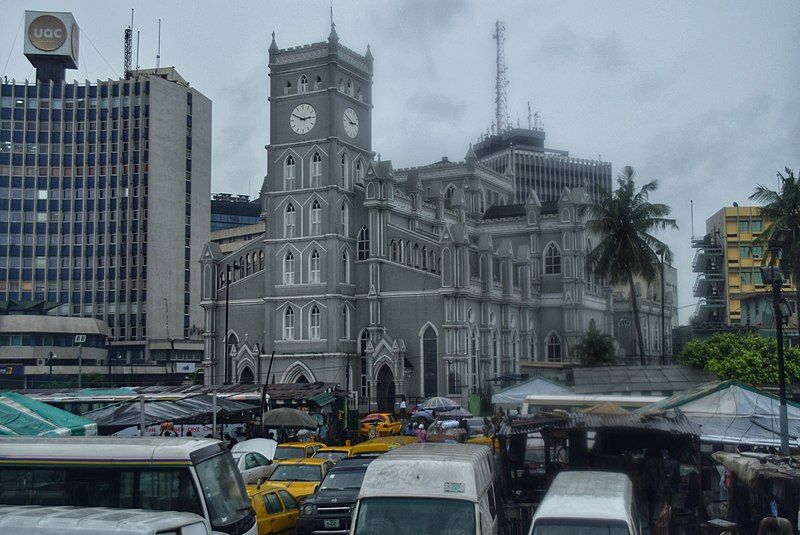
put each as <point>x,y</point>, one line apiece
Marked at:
<point>617,379</point>
<point>674,423</point>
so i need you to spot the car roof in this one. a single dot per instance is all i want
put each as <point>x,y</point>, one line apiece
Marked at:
<point>588,494</point>
<point>71,519</point>
<point>350,463</point>
<point>300,444</point>
<point>345,449</point>
<point>307,460</point>
<point>264,488</point>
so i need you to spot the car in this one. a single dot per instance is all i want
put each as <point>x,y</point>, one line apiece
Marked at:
<point>475,426</point>
<point>387,424</point>
<point>328,510</point>
<point>252,465</point>
<point>334,453</point>
<point>300,477</point>
<point>297,450</point>
<point>380,445</point>
<point>276,509</point>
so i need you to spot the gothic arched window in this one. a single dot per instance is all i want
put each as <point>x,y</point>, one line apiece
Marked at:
<point>318,83</point>
<point>345,267</point>
<point>316,219</point>
<point>314,322</point>
<point>345,323</point>
<point>343,172</point>
<point>289,173</point>
<point>289,221</point>
<point>344,221</point>
<point>553,348</point>
<point>316,170</point>
<point>303,85</point>
<point>288,324</point>
<point>552,260</point>
<point>363,243</point>
<point>288,268</point>
<point>313,267</point>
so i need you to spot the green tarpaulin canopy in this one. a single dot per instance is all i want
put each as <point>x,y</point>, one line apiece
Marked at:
<point>21,415</point>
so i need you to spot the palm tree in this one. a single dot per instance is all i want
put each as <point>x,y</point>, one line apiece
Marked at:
<point>783,208</point>
<point>623,222</point>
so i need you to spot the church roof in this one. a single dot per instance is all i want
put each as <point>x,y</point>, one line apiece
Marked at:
<point>499,211</point>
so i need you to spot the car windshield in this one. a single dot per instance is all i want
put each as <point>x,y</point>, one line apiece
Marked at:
<point>343,479</point>
<point>557,526</point>
<point>396,516</point>
<point>534,455</point>
<point>288,452</point>
<point>332,455</point>
<point>224,491</point>
<point>296,472</point>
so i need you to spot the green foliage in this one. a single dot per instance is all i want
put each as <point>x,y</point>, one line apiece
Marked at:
<point>596,349</point>
<point>750,358</point>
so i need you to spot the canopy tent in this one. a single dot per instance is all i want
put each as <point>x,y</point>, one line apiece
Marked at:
<point>21,415</point>
<point>287,417</point>
<point>515,395</point>
<point>190,409</point>
<point>730,412</point>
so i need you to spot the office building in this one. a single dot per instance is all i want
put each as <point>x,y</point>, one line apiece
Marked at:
<point>105,199</point>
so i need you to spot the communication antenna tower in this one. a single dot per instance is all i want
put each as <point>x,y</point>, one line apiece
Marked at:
<point>530,122</point>
<point>158,54</point>
<point>128,47</point>
<point>501,83</point>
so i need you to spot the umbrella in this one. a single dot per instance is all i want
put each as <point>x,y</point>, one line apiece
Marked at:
<point>439,403</point>
<point>291,418</point>
<point>422,415</point>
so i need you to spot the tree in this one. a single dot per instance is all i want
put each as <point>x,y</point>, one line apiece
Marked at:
<point>747,357</point>
<point>783,208</point>
<point>623,221</point>
<point>596,349</point>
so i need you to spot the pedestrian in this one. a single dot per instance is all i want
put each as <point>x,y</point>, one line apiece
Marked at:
<point>488,427</point>
<point>231,441</point>
<point>422,435</point>
<point>373,430</point>
<point>403,407</point>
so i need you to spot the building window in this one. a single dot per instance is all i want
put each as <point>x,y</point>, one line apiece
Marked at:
<point>316,219</point>
<point>425,258</point>
<point>288,324</point>
<point>343,171</point>
<point>553,348</point>
<point>744,252</point>
<point>349,89</point>
<point>303,85</point>
<point>313,270</point>
<point>287,88</point>
<point>359,172</point>
<point>448,196</point>
<point>755,226</point>
<point>289,172</point>
<point>393,251</point>
<point>314,323</point>
<point>288,268</point>
<point>316,170</point>
<point>362,345</point>
<point>345,267</point>
<point>344,221</point>
<point>415,256</point>
<point>552,260</point>
<point>345,323</point>
<point>318,83</point>
<point>289,221</point>
<point>744,226</point>
<point>363,243</point>
<point>401,252</point>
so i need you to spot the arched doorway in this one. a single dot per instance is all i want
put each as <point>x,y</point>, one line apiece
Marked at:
<point>385,389</point>
<point>301,379</point>
<point>246,377</point>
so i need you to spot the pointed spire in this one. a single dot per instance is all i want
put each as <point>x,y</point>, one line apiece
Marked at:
<point>470,154</point>
<point>333,37</point>
<point>369,53</point>
<point>273,46</point>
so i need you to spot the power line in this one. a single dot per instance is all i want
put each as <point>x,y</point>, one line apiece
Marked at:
<point>13,44</point>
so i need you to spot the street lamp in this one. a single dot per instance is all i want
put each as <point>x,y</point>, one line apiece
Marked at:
<point>772,275</point>
<point>662,251</point>
<point>226,361</point>
<point>50,358</point>
<point>80,339</point>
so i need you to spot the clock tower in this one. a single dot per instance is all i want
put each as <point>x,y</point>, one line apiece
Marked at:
<point>320,148</point>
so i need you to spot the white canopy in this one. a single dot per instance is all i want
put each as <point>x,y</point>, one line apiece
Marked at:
<point>515,395</point>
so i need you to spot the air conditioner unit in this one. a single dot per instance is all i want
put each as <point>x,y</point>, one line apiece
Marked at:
<point>41,362</point>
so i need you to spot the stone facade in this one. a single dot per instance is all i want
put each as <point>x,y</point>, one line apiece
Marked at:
<point>390,281</point>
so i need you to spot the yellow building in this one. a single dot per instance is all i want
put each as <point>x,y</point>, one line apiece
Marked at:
<point>727,262</point>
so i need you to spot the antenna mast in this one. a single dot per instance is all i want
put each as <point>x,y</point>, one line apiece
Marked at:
<point>158,54</point>
<point>501,84</point>
<point>128,47</point>
<point>530,122</point>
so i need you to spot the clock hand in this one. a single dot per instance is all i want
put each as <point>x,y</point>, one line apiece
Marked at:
<point>301,118</point>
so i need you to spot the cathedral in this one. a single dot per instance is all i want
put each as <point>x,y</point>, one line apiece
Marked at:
<point>442,280</point>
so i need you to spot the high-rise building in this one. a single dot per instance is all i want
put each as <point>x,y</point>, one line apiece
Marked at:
<point>727,263</point>
<point>105,199</point>
<point>521,154</point>
<point>232,211</point>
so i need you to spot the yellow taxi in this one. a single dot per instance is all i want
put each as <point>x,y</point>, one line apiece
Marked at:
<point>387,424</point>
<point>276,509</point>
<point>296,450</point>
<point>300,477</point>
<point>334,453</point>
<point>377,446</point>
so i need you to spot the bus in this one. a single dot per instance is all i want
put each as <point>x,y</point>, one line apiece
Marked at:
<point>155,474</point>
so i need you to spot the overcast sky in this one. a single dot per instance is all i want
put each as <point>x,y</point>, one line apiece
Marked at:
<point>703,96</point>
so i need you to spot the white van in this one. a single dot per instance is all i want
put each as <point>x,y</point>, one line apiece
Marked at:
<point>442,489</point>
<point>155,474</point>
<point>589,503</point>
<point>65,520</point>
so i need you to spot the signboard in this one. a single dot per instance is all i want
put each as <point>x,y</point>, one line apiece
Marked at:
<point>53,35</point>
<point>185,367</point>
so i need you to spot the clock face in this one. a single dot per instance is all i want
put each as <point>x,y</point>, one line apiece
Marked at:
<point>350,120</point>
<point>303,118</point>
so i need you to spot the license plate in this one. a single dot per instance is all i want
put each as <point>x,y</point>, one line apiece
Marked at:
<point>332,523</point>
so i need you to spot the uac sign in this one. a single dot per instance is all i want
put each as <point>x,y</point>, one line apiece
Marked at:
<point>47,33</point>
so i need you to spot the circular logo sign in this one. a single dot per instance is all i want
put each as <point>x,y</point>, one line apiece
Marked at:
<point>47,33</point>
<point>75,41</point>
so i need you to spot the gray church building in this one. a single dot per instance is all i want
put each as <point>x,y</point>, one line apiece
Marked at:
<point>411,281</point>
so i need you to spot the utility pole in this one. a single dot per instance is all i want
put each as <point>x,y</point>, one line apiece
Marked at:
<point>80,339</point>
<point>50,363</point>
<point>663,251</point>
<point>226,363</point>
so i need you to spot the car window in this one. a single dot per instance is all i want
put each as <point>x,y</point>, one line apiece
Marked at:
<point>250,461</point>
<point>272,504</point>
<point>288,500</point>
<point>260,459</point>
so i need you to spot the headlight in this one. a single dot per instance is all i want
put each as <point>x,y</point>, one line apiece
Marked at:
<point>308,510</point>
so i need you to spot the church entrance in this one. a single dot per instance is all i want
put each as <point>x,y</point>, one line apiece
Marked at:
<point>246,378</point>
<point>385,389</point>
